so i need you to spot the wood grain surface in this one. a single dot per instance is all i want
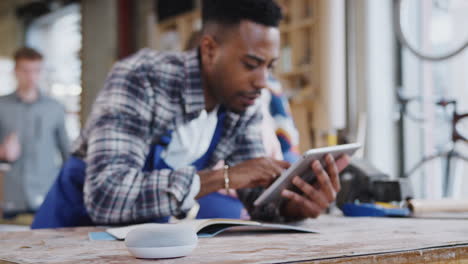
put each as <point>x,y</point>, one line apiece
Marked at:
<point>342,240</point>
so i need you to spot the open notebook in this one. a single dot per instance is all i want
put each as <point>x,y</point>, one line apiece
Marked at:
<point>214,226</point>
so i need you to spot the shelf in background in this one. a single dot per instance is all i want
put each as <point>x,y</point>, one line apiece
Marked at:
<point>309,22</point>
<point>298,71</point>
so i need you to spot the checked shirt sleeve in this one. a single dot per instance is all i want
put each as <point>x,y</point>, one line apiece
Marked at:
<point>119,135</point>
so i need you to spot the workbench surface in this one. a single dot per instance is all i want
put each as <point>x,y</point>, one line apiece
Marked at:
<point>341,239</point>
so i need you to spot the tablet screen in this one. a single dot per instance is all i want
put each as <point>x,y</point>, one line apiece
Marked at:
<point>302,167</point>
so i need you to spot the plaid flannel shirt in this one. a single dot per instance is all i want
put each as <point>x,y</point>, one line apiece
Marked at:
<point>144,96</point>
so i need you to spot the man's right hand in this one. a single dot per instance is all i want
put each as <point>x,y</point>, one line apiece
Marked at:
<point>256,172</point>
<point>248,174</point>
<point>10,150</point>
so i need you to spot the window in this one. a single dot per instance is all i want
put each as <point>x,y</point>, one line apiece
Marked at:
<point>58,36</point>
<point>434,27</point>
<point>7,78</point>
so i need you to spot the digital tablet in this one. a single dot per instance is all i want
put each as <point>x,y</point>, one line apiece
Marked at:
<point>303,169</point>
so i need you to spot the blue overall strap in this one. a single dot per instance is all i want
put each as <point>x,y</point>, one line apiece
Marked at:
<point>202,162</point>
<point>154,157</point>
<point>63,205</point>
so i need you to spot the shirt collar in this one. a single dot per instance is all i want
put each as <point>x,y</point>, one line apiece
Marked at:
<point>39,97</point>
<point>193,96</point>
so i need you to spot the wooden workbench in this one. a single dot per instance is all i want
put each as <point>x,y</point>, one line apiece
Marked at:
<point>342,240</point>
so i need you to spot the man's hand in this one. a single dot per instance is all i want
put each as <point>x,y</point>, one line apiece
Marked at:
<point>256,172</point>
<point>318,196</point>
<point>10,150</point>
<point>248,174</point>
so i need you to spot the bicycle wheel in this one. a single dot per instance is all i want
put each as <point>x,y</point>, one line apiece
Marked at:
<point>439,175</point>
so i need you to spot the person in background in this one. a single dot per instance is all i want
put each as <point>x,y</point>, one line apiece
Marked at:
<point>279,111</point>
<point>32,137</point>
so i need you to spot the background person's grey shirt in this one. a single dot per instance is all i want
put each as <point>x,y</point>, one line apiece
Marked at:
<point>40,127</point>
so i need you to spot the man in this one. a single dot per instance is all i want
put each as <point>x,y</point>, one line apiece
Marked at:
<point>32,135</point>
<point>163,120</point>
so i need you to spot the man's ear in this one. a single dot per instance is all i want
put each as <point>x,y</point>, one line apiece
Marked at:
<point>208,49</point>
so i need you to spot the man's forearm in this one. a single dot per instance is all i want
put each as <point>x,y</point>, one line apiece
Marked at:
<point>210,181</point>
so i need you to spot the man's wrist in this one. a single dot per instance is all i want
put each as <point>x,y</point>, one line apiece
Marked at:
<point>226,178</point>
<point>289,212</point>
<point>210,181</point>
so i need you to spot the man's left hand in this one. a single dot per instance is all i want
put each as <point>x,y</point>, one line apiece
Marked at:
<point>318,196</point>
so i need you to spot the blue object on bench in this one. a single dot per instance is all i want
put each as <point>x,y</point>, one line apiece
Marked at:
<point>370,209</point>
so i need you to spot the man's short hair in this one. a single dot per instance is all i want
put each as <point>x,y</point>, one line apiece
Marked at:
<point>27,53</point>
<point>231,12</point>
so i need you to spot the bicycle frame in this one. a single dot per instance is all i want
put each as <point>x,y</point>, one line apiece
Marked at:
<point>448,154</point>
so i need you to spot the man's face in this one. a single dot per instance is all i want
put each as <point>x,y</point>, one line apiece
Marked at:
<point>240,64</point>
<point>28,73</point>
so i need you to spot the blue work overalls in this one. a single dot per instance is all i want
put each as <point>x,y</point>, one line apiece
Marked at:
<point>64,205</point>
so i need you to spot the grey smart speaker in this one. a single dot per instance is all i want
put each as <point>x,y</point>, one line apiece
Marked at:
<point>161,241</point>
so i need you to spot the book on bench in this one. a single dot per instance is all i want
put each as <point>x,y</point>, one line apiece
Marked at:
<point>213,226</point>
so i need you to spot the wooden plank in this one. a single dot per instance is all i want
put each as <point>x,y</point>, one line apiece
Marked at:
<point>299,111</point>
<point>295,10</point>
<point>342,240</point>
<point>7,262</point>
<point>449,255</point>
